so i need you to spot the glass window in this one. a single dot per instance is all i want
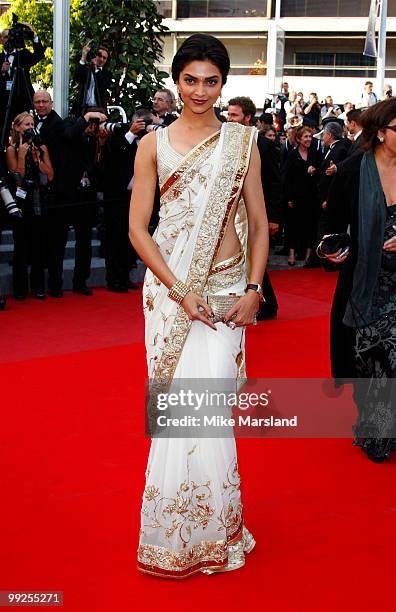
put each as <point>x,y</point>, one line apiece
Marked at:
<point>164,8</point>
<point>221,8</point>
<point>360,65</point>
<point>327,8</point>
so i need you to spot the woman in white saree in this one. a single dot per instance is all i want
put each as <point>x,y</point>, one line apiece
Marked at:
<point>210,185</point>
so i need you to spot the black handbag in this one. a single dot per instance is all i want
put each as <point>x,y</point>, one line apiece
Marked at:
<point>389,259</point>
<point>333,243</point>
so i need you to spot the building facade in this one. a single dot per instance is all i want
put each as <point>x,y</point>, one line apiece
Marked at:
<point>319,44</point>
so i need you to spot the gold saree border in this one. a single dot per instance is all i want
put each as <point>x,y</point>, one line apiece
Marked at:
<point>228,186</point>
<point>185,169</point>
<point>190,562</point>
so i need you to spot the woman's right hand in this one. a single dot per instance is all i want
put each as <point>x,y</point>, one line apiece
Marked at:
<point>338,257</point>
<point>23,147</point>
<point>197,309</point>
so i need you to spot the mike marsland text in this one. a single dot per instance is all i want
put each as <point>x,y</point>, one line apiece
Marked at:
<point>221,421</point>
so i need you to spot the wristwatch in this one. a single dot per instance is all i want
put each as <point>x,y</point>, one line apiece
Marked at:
<point>257,288</point>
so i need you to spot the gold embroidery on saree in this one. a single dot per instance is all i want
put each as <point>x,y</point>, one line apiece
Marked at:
<point>228,185</point>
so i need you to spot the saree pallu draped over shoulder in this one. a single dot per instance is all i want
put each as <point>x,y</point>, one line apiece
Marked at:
<point>191,516</point>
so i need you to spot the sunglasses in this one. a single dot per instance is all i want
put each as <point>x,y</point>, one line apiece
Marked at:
<point>390,127</point>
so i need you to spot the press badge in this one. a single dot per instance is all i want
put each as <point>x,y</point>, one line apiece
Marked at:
<point>21,193</point>
<point>8,85</point>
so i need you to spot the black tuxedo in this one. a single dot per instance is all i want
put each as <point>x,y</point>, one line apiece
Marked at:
<point>119,159</point>
<point>336,154</point>
<point>343,190</point>
<point>25,59</point>
<point>271,178</point>
<point>76,204</point>
<point>51,129</point>
<point>102,80</point>
<point>168,118</point>
<point>272,188</point>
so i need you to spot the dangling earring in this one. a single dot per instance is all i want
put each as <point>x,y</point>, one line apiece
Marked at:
<point>381,139</point>
<point>179,100</point>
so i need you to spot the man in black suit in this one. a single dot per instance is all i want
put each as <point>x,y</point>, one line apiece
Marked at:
<point>119,158</point>
<point>50,126</point>
<point>93,80</point>
<point>242,110</point>
<point>353,118</point>
<point>10,59</point>
<point>75,186</point>
<point>343,187</point>
<point>336,150</point>
<point>163,105</point>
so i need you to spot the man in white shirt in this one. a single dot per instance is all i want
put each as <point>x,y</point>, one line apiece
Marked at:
<point>368,97</point>
<point>93,79</point>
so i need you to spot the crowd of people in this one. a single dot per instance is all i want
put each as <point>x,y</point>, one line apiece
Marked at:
<point>78,172</point>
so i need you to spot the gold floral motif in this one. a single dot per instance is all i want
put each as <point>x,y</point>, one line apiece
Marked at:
<point>226,190</point>
<point>149,300</point>
<point>162,561</point>
<point>176,183</point>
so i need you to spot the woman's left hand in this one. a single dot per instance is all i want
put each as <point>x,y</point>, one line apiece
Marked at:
<point>390,245</point>
<point>245,309</point>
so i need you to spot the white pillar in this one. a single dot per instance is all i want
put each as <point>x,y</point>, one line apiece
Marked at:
<point>381,58</point>
<point>61,29</point>
<point>275,52</point>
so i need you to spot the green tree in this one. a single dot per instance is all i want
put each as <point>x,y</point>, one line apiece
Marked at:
<point>131,30</point>
<point>40,16</point>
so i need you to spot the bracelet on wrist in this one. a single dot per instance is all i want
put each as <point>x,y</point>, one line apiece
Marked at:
<point>178,292</point>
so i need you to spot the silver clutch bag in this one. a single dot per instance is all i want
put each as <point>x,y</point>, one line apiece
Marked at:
<point>220,305</point>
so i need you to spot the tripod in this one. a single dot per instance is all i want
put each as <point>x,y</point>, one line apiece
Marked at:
<point>20,97</point>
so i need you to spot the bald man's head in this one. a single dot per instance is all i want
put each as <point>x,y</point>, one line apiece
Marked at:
<point>42,102</point>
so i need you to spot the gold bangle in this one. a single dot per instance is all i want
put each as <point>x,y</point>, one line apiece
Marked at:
<point>178,292</point>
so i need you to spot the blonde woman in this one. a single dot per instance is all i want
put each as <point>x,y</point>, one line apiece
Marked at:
<point>31,168</point>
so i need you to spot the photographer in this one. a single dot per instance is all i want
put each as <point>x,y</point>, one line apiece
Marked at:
<point>119,159</point>
<point>93,80</point>
<point>29,163</point>
<point>14,56</point>
<point>75,187</point>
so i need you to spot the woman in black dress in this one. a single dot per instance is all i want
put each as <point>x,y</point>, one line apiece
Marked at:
<point>301,188</point>
<point>363,321</point>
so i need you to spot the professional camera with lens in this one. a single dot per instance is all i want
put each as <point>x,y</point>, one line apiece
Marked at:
<point>31,136</point>
<point>17,34</point>
<point>8,200</point>
<point>93,52</point>
<point>113,128</point>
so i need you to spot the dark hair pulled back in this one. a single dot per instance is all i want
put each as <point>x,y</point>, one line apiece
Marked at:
<point>375,119</point>
<point>201,47</point>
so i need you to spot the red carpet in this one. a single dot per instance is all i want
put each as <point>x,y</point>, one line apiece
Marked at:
<point>73,458</point>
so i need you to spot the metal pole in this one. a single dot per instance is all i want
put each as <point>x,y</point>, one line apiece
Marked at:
<point>381,59</point>
<point>277,10</point>
<point>61,29</point>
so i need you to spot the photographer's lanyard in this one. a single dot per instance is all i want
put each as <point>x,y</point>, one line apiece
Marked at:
<point>10,59</point>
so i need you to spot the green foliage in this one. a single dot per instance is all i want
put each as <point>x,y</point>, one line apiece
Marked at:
<point>130,29</point>
<point>40,16</point>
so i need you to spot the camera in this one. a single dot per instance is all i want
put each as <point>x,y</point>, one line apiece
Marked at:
<point>93,52</point>
<point>17,34</point>
<point>31,136</point>
<point>9,201</point>
<point>112,128</point>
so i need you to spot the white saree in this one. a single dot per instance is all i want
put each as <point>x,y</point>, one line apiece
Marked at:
<point>191,517</point>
